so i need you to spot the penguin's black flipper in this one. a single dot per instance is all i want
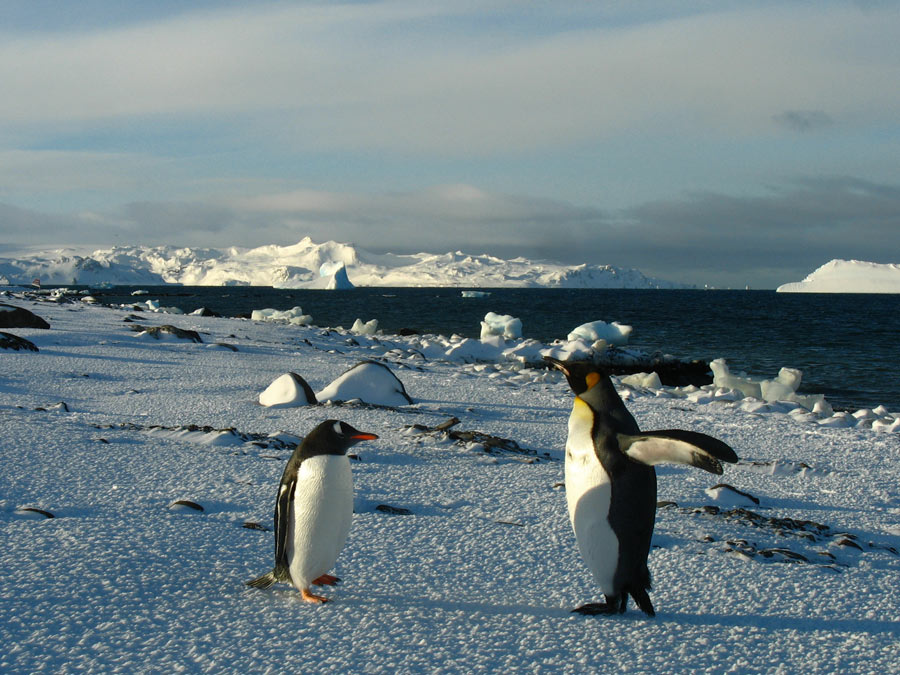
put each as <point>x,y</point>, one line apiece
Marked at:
<point>679,447</point>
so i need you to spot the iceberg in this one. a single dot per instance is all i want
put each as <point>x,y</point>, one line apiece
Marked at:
<point>848,276</point>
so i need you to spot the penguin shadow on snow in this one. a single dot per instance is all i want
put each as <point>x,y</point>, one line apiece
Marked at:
<point>812,625</point>
<point>377,600</point>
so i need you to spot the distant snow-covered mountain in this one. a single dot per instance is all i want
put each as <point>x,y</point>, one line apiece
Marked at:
<point>848,276</point>
<point>308,265</point>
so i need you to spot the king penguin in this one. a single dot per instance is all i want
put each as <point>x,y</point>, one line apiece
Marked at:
<point>314,509</point>
<point>611,484</point>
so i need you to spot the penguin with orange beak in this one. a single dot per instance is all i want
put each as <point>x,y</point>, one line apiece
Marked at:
<point>314,509</point>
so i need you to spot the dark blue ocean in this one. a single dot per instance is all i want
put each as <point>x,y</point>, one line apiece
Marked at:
<point>845,344</point>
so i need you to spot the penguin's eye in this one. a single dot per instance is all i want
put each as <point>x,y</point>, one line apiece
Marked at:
<point>591,379</point>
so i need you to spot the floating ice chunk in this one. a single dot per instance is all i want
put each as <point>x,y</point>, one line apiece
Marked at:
<point>614,333</point>
<point>153,306</point>
<point>287,391</point>
<point>823,408</point>
<point>475,294</point>
<point>526,351</point>
<point>486,349</point>
<point>574,350</point>
<point>646,380</point>
<point>370,382</point>
<point>367,328</point>
<point>783,386</point>
<point>294,316</point>
<point>501,324</point>
<point>722,377</point>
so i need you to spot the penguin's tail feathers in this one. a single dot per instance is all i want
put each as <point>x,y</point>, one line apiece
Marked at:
<point>263,582</point>
<point>280,573</point>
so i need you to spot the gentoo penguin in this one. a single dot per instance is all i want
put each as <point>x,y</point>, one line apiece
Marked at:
<point>611,484</point>
<point>314,509</point>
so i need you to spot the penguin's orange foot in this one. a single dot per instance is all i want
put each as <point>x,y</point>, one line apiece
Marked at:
<point>312,597</point>
<point>326,580</point>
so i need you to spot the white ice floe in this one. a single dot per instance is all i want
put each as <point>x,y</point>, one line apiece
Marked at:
<point>154,306</point>
<point>782,388</point>
<point>613,333</point>
<point>361,327</point>
<point>294,316</point>
<point>503,325</point>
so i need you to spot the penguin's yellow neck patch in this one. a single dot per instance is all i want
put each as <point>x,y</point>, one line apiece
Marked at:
<point>581,412</point>
<point>591,379</point>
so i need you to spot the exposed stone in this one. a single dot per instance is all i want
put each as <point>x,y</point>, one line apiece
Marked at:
<point>12,316</point>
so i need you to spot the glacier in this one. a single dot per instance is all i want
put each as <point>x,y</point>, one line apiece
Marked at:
<point>306,264</point>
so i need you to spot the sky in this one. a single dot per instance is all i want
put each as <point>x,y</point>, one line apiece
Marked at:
<point>720,143</point>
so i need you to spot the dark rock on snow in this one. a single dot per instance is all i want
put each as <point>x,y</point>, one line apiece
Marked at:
<point>12,316</point>
<point>16,343</point>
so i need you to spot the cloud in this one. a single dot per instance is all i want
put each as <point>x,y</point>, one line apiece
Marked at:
<point>768,239</point>
<point>431,77</point>
<point>723,240</point>
<point>803,120</point>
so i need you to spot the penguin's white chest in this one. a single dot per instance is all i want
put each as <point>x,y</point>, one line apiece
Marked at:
<point>588,494</point>
<point>319,518</point>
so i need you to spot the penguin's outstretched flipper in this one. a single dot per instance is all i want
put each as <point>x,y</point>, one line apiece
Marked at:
<point>677,446</point>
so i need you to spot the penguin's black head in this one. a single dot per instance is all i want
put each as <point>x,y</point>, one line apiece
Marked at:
<point>333,437</point>
<point>581,375</point>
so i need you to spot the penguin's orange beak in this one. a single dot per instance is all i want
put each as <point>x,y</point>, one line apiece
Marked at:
<point>364,437</point>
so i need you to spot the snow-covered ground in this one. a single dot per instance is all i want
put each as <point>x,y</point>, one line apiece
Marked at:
<point>106,429</point>
<point>848,276</point>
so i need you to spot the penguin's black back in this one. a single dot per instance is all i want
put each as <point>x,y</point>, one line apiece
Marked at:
<point>632,509</point>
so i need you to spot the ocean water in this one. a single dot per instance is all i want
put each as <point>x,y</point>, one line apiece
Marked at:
<point>845,344</point>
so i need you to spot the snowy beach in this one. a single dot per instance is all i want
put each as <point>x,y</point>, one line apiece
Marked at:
<point>460,558</point>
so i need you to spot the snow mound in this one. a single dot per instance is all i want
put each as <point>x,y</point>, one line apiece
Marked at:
<point>848,276</point>
<point>369,382</point>
<point>287,391</point>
